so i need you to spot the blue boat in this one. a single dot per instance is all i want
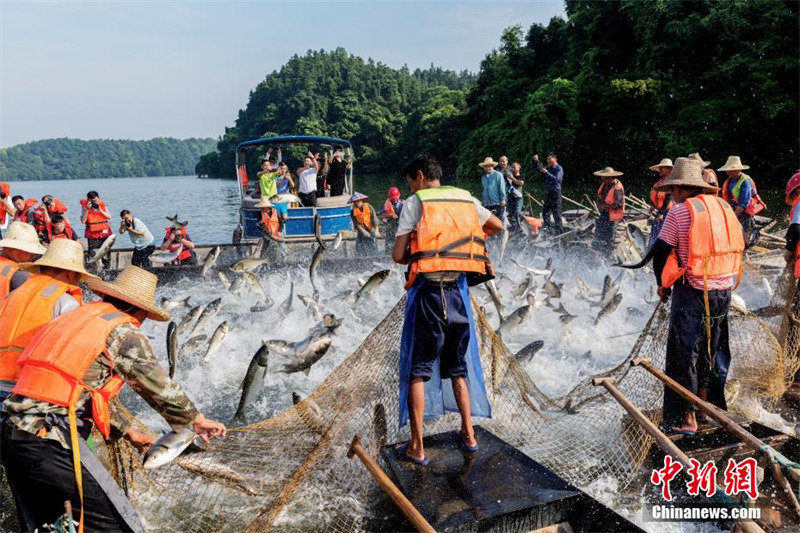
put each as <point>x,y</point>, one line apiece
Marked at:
<point>333,212</point>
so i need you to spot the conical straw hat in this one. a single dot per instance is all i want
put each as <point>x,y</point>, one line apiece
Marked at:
<point>22,236</point>
<point>666,162</point>
<point>135,286</point>
<point>696,157</point>
<point>64,254</point>
<point>488,162</point>
<point>608,172</point>
<point>686,173</point>
<point>734,162</point>
<point>356,197</point>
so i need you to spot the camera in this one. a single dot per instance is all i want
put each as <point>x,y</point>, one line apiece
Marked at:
<point>95,205</point>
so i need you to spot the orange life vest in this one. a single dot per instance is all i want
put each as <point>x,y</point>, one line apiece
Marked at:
<point>388,208</point>
<point>242,171</point>
<point>615,215</point>
<point>796,269</point>
<point>657,198</point>
<point>363,215</point>
<point>68,233</point>
<point>269,217</point>
<point>22,214</point>
<point>755,206</point>
<point>56,359</point>
<point>448,236</point>
<point>6,189</point>
<point>7,270</point>
<point>716,242</point>
<point>186,253</point>
<point>23,313</point>
<point>96,222</point>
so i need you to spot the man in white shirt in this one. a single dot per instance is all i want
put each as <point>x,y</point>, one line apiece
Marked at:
<point>307,181</point>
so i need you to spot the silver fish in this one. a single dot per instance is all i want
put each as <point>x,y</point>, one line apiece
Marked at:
<point>168,447</point>
<point>216,472</point>
<point>216,340</point>
<point>337,242</point>
<point>514,319</point>
<point>254,282</point>
<point>210,261</point>
<point>192,344</point>
<point>523,287</point>
<point>301,355</point>
<point>610,293</point>
<point>607,283</point>
<point>503,243</point>
<point>238,285</point>
<point>172,347</point>
<point>548,265</point>
<point>247,265</point>
<point>252,384</point>
<point>316,259</point>
<point>372,283</point>
<point>312,305</point>
<point>165,256</point>
<point>223,278</point>
<point>104,249</point>
<point>190,317</point>
<point>566,317</point>
<point>318,230</point>
<point>527,353</point>
<point>498,302</point>
<point>258,251</point>
<point>609,308</point>
<point>169,305</point>
<point>586,292</point>
<point>207,315</point>
<point>553,290</point>
<point>286,306</point>
<point>285,198</point>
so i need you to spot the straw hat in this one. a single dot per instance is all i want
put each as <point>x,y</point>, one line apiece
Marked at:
<point>488,162</point>
<point>734,162</point>
<point>608,172</point>
<point>356,197</point>
<point>135,286</point>
<point>696,157</point>
<point>263,203</point>
<point>64,254</point>
<point>22,236</point>
<point>666,162</point>
<point>686,173</point>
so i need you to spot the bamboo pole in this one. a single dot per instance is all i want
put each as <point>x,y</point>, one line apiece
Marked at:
<point>718,415</point>
<point>399,499</point>
<point>534,200</point>
<point>570,200</point>
<point>661,439</point>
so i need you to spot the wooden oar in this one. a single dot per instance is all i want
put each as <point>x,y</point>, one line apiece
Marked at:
<point>769,453</point>
<point>661,439</point>
<point>399,499</point>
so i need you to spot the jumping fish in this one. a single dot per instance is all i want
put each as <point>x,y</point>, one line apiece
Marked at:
<point>223,278</point>
<point>608,308</point>
<point>237,285</point>
<point>165,256</point>
<point>169,305</point>
<point>254,282</point>
<point>738,303</point>
<point>247,265</point>
<point>514,319</point>
<point>190,317</point>
<point>168,447</point>
<point>208,313</point>
<point>216,340</point>
<point>610,293</point>
<point>172,347</point>
<point>586,292</point>
<point>566,317</point>
<point>104,249</point>
<point>285,198</point>
<point>312,305</point>
<point>303,354</point>
<point>503,243</point>
<point>372,283</point>
<point>523,287</point>
<point>176,222</point>
<point>252,384</point>
<point>337,242</point>
<point>552,290</point>
<point>316,259</point>
<point>607,283</point>
<point>210,261</point>
<point>318,230</point>
<point>527,353</point>
<point>192,344</point>
<point>498,302</point>
<point>286,306</point>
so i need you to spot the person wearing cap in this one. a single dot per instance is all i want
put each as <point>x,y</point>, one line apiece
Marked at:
<point>611,206</point>
<point>389,214</point>
<point>177,238</point>
<point>20,245</point>
<point>740,191</point>
<point>697,259</point>
<point>493,186</point>
<point>553,176</point>
<point>709,176</point>
<point>51,291</point>
<point>96,217</point>
<point>441,236</point>
<point>337,171</point>
<point>660,200</point>
<point>66,388</point>
<point>365,222</point>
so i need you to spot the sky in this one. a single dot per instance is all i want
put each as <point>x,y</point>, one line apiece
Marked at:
<point>139,70</point>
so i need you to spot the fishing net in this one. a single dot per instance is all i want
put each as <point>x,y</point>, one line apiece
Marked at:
<point>291,471</point>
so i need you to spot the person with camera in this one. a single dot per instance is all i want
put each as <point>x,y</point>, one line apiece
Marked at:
<point>60,228</point>
<point>96,218</point>
<point>177,240</point>
<point>141,238</point>
<point>43,214</point>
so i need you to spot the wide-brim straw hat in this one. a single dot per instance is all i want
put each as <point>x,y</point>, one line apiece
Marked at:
<point>686,173</point>
<point>666,162</point>
<point>22,236</point>
<point>696,157</point>
<point>135,286</point>
<point>734,162</point>
<point>263,203</point>
<point>608,172</point>
<point>356,197</point>
<point>64,254</point>
<point>488,162</point>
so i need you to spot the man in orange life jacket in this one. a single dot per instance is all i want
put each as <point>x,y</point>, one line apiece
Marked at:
<point>42,215</point>
<point>364,222</point>
<point>177,238</point>
<point>51,291</point>
<point>660,201</point>
<point>95,217</point>
<point>697,260</point>
<point>740,191</point>
<point>20,245</point>
<point>24,209</point>
<point>441,237</point>
<point>611,205</point>
<point>389,214</point>
<point>70,373</point>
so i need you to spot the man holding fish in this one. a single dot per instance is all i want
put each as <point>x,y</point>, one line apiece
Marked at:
<point>441,237</point>
<point>70,373</point>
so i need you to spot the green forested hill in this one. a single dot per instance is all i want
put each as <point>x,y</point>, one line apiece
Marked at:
<point>101,158</point>
<point>621,83</point>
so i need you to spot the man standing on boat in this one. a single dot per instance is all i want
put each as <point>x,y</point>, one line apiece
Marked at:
<point>307,178</point>
<point>337,172</point>
<point>697,258</point>
<point>441,237</point>
<point>611,206</point>
<point>141,238</point>
<point>494,189</point>
<point>96,218</point>
<point>553,178</point>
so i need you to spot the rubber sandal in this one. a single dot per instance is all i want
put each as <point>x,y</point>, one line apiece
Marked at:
<point>401,453</point>
<point>464,446</point>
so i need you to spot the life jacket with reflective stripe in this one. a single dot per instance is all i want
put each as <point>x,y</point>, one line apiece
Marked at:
<point>269,217</point>
<point>95,221</point>
<point>6,189</point>
<point>363,215</point>
<point>796,269</point>
<point>56,359</point>
<point>755,206</point>
<point>22,214</point>
<point>186,253</point>
<point>7,270</point>
<point>615,215</point>
<point>68,233</point>
<point>716,242</point>
<point>448,236</point>
<point>388,208</point>
<point>23,313</point>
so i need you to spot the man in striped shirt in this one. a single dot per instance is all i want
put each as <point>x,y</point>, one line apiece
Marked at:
<point>694,360</point>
